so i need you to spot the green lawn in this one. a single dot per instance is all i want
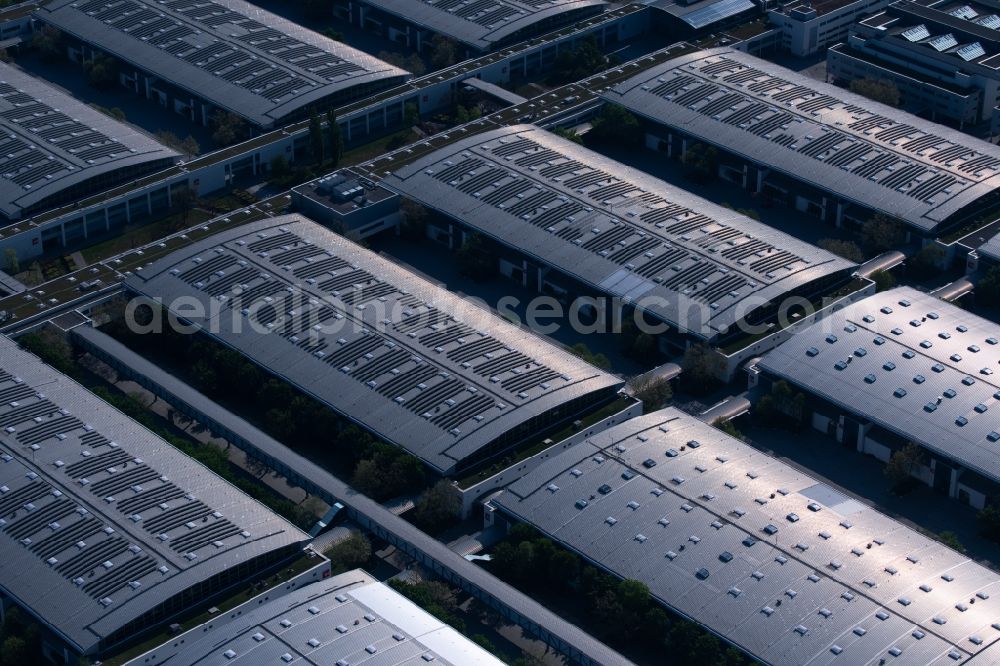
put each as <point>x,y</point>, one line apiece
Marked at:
<point>137,235</point>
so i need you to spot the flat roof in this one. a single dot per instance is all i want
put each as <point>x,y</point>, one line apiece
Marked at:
<point>781,564</point>
<point>235,55</point>
<point>483,24</point>
<point>103,520</point>
<point>421,367</point>
<point>52,141</point>
<point>952,375</point>
<point>991,248</point>
<point>864,152</point>
<point>689,262</point>
<point>350,618</point>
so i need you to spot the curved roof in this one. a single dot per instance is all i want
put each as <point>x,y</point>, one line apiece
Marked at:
<point>229,52</point>
<point>906,339</point>
<point>51,142</point>
<point>481,25</point>
<point>422,368</point>
<point>103,520</point>
<point>865,152</point>
<point>692,263</point>
<point>350,618</point>
<point>773,560</point>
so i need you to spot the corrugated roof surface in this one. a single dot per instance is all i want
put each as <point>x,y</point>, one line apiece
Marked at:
<point>425,369</point>
<point>103,520</point>
<point>229,52</point>
<point>482,23</point>
<point>366,511</point>
<point>879,157</point>
<point>991,248</point>
<point>350,618</point>
<point>688,261</point>
<point>780,564</point>
<point>51,141</point>
<point>945,360</point>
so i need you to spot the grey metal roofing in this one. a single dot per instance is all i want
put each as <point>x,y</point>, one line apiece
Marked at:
<point>350,618</point>
<point>864,152</point>
<point>690,262</point>
<point>483,23</point>
<point>102,519</point>
<point>421,367</point>
<point>51,141</point>
<point>776,562</point>
<point>452,566</point>
<point>704,13</point>
<point>885,329</point>
<point>229,52</point>
<point>991,248</point>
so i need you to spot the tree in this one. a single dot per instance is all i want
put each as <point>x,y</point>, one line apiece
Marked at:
<point>48,43</point>
<point>279,168</point>
<point>11,264</point>
<point>701,162</point>
<point>655,392</point>
<point>351,553</point>
<point>847,249</point>
<point>461,115</point>
<point>567,134</point>
<point>475,259</point>
<point>100,72</point>
<point>597,360</point>
<point>227,128</point>
<point>14,651</point>
<point>335,137</point>
<point>413,219</point>
<point>583,61</point>
<point>437,506</point>
<point>700,366</point>
<point>443,52</point>
<point>116,113</point>
<point>881,233</point>
<point>950,539</point>
<point>316,138</point>
<point>901,466</point>
<point>413,63</point>
<point>989,519</point>
<point>411,114</point>
<point>988,288</point>
<point>615,125</point>
<point>188,146</point>
<point>882,91</point>
<point>927,263</point>
<point>884,281</point>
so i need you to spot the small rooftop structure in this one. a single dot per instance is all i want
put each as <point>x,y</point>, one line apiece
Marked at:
<point>350,618</point>
<point>56,148</point>
<point>910,362</point>
<point>687,261</point>
<point>420,367</point>
<point>778,563</point>
<point>349,203</point>
<point>107,529</point>
<point>237,56</point>
<point>877,157</point>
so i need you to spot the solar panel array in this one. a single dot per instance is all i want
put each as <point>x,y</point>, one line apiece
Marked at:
<point>224,41</point>
<point>766,556</point>
<point>657,239</point>
<point>41,516</point>
<point>254,276</point>
<point>46,142</point>
<point>428,359</point>
<point>896,155</point>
